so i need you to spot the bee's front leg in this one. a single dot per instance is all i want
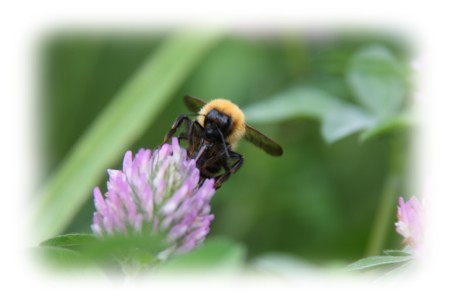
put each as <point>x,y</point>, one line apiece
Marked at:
<point>229,170</point>
<point>176,125</point>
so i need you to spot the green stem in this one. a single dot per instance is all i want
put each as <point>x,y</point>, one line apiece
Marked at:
<point>382,223</point>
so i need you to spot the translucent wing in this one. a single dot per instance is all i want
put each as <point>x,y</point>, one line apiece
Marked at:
<point>193,104</point>
<point>258,139</point>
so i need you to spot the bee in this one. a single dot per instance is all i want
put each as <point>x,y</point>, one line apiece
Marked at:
<point>213,137</point>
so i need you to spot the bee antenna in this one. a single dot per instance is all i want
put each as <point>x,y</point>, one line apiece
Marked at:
<point>223,141</point>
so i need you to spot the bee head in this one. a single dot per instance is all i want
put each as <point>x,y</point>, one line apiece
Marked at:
<point>217,125</point>
<point>224,116</point>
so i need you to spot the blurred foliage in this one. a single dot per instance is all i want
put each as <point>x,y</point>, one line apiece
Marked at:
<point>309,91</point>
<point>134,255</point>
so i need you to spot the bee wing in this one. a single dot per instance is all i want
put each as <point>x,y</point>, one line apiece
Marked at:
<point>193,104</point>
<point>258,139</point>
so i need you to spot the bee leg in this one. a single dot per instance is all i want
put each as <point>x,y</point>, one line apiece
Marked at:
<point>200,182</point>
<point>191,132</point>
<point>229,170</point>
<point>239,162</point>
<point>176,125</point>
<point>183,136</point>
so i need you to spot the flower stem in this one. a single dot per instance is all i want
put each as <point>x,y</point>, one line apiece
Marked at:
<point>388,200</point>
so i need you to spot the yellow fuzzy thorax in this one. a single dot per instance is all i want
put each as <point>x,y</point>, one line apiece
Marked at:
<point>230,109</point>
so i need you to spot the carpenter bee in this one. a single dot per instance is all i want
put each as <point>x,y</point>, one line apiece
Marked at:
<point>213,136</point>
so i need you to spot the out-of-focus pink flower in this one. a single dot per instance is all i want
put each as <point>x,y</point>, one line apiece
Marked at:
<point>410,222</point>
<point>156,193</point>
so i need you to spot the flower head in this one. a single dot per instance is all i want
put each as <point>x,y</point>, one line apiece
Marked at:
<point>156,193</point>
<point>410,221</point>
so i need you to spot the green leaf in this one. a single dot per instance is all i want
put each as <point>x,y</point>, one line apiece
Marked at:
<point>389,125</point>
<point>59,257</point>
<point>70,241</point>
<point>131,253</point>
<point>376,79</point>
<point>404,252</point>
<point>63,259</point>
<point>339,118</point>
<point>130,112</point>
<point>377,261</point>
<point>217,254</point>
<point>400,272</point>
<point>293,103</point>
<point>344,121</point>
<point>123,246</point>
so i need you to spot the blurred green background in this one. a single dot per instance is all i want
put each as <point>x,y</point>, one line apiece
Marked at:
<point>337,101</point>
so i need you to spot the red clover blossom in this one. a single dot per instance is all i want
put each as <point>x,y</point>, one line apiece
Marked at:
<point>157,192</point>
<point>410,222</point>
